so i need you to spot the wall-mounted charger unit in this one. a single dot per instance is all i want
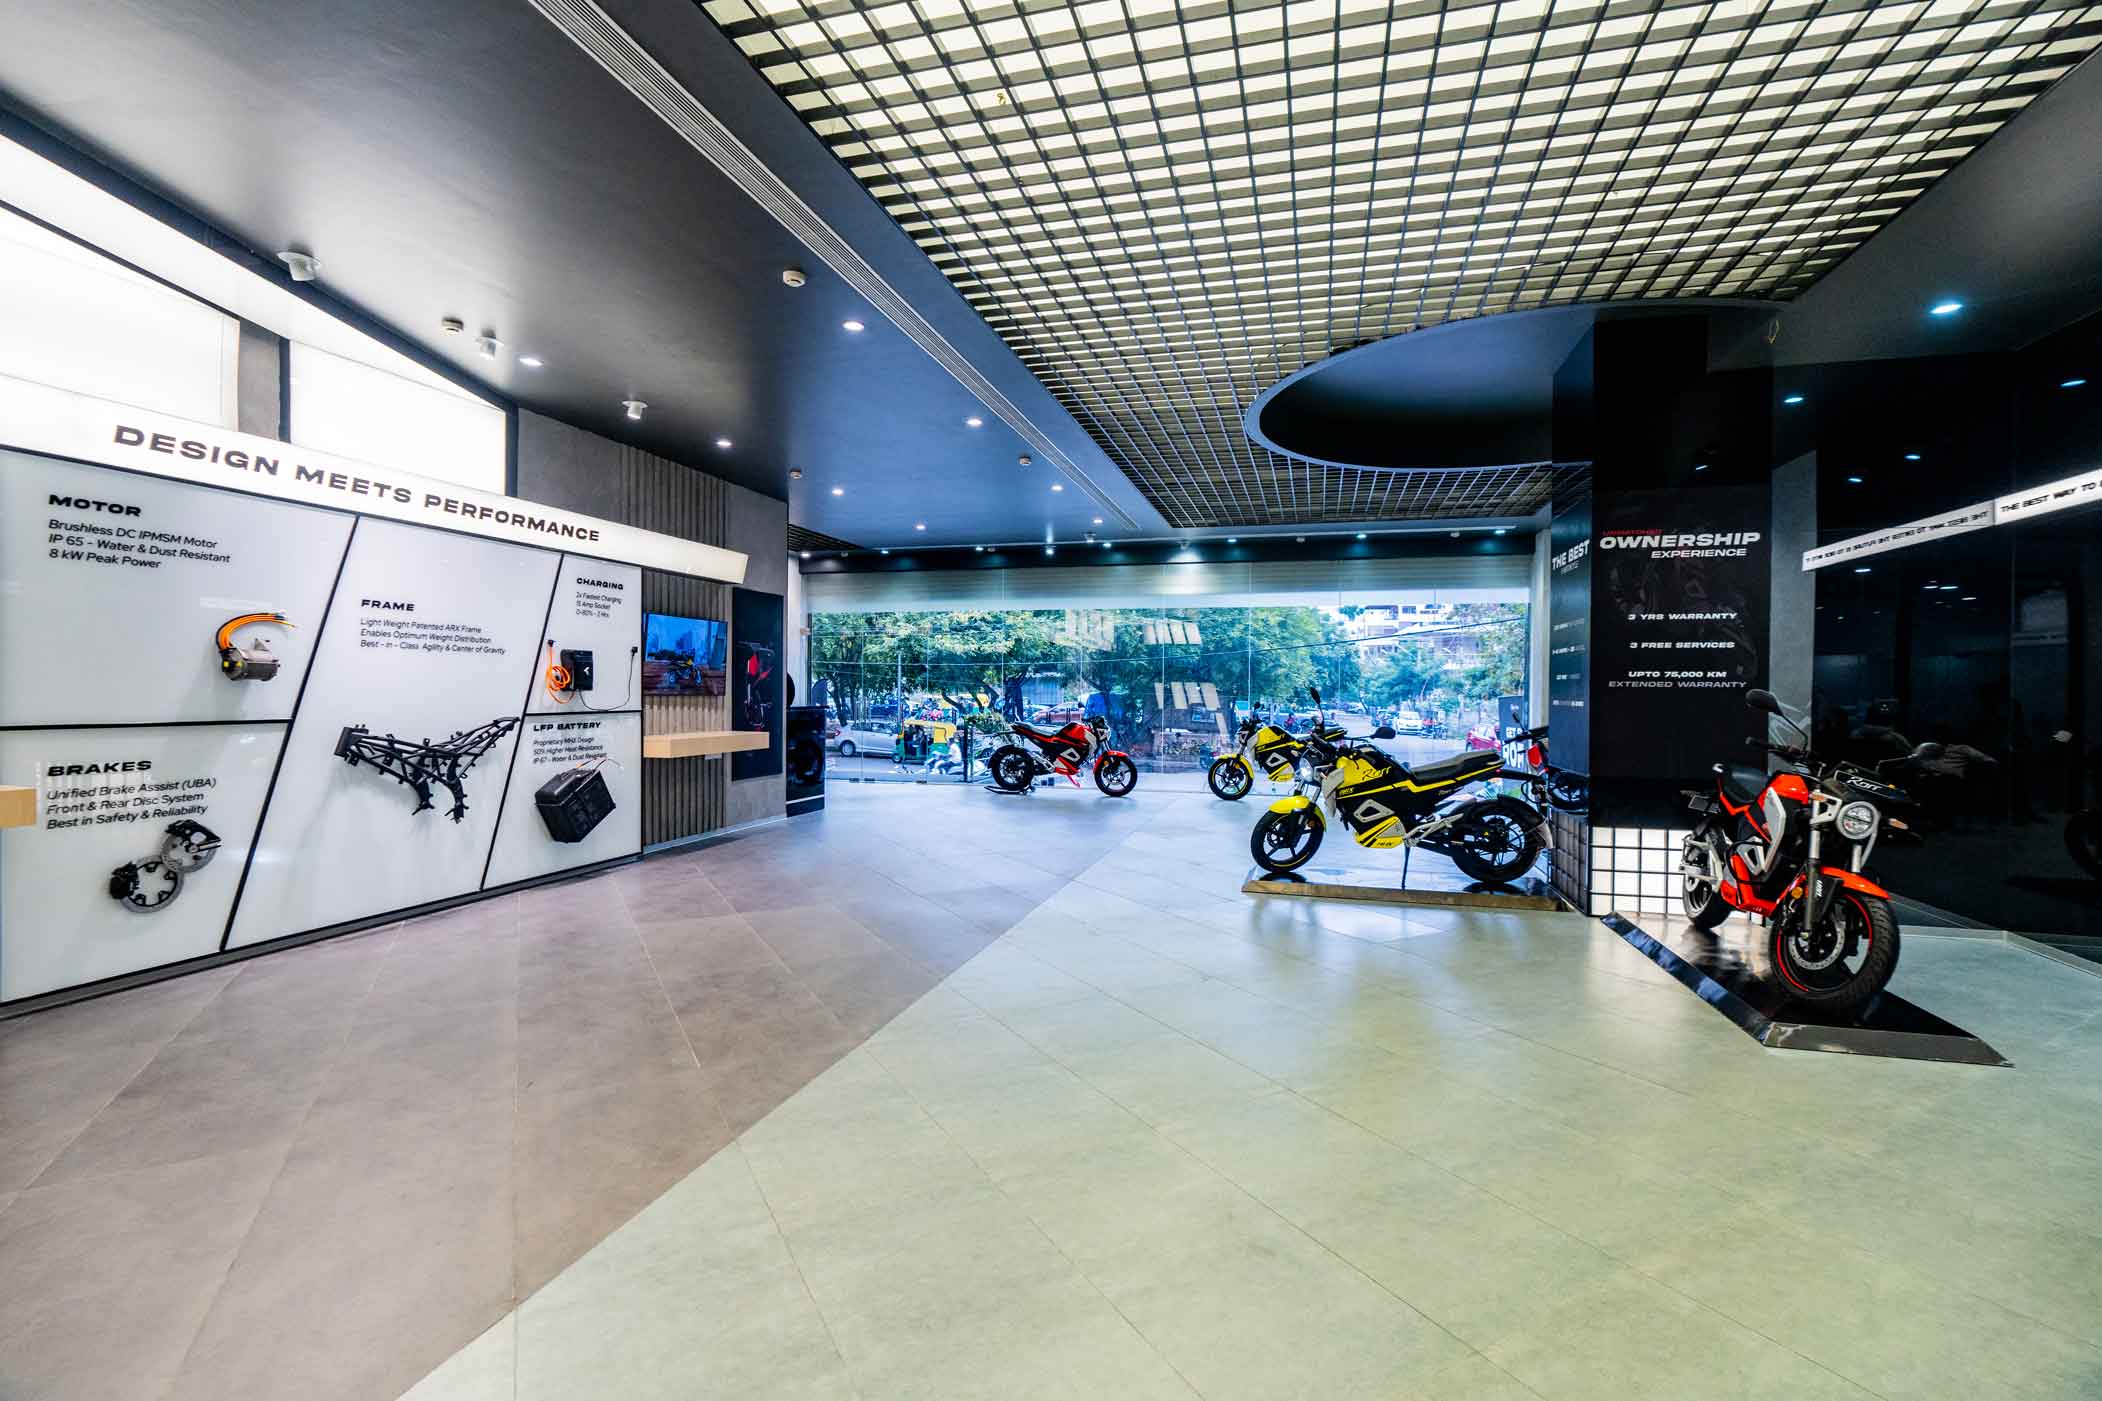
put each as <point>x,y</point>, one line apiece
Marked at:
<point>578,664</point>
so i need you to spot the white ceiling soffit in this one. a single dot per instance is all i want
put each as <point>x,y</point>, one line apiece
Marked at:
<point>615,50</point>
<point>1314,583</point>
<point>57,197</point>
<point>1165,208</point>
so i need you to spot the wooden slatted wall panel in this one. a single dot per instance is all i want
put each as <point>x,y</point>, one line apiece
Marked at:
<point>681,797</point>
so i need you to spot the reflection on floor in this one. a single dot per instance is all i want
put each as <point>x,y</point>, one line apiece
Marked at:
<point>1156,1138</point>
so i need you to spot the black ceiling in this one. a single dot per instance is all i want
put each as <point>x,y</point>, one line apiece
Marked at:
<point>466,159</point>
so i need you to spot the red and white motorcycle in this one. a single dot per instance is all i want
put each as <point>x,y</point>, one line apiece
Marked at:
<point>1061,753</point>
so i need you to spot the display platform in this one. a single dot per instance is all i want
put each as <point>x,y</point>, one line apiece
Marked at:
<point>1438,889</point>
<point>1726,970</point>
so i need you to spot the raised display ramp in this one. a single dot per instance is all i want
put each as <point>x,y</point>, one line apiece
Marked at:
<point>1434,889</point>
<point>1727,969</point>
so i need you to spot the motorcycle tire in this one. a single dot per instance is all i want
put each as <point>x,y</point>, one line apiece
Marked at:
<point>1285,841</point>
<point>2084,841</point>
<point>1516,845</point>
<point>1700,899</point>
<point>1116,776</point>
<point>1011,770</point>
<point>1833,989</point>
<point>1228,778</point>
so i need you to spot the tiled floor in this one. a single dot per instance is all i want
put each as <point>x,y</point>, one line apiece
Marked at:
<point>1155,1138</point>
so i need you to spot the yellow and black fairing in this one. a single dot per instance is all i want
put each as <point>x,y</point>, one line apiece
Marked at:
<point>1381,799</point>
<point>1276,752</point>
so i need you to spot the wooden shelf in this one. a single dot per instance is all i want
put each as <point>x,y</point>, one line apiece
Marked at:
<point>17,806</point>
<point>689,744</point>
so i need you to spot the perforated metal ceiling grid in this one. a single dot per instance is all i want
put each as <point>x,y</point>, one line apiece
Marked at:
<point>1166,207</point>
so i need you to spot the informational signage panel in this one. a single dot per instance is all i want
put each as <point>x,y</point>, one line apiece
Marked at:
<point>594,635</point>
<point>141,838</point>
<point>755,679</point>
<point>394,716</point>
<point>117,588</point>
<point>555,816</point>
<point>414,699</point>
<point>1569,639</point>
<point>1680,600</point>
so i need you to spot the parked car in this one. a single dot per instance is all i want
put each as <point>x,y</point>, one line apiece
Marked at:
<point>866,737</point>
<point>1410,722</point>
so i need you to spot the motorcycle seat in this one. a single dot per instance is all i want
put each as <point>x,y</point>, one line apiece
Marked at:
<point>1468,763</point>
<point>1032,732</point>
<point>1743,783</point>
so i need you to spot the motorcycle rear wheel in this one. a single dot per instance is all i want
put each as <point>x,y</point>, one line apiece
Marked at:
<point>1229,778</point>
<point>1285,841</point>
<point>1011,769</point>
<point>1497,841</point>
<point>1700,897</point>
<point>1815,971</point>
<point>1116,775</point>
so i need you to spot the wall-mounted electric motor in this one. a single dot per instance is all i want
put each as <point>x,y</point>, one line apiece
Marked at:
<point>574,801</point>
<point>255,662</point>
<point>152,884</point>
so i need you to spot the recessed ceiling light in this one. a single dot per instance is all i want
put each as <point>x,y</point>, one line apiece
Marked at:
<point>919,525</point>
<point>634,407</point>
<point>1793,399</point>
<point>1098,520</point>
<point>1970,598</point>
<point>1700,466</point>
<point>852,326</point>
<point>2073,383</point>
<point>1853,481</point>
<point>1050,549</point>
<point>1361,535</point>
<point>839,491</point>
<point>1912,457</point>
<point>979,548</point>
<point>1299,539</point>
<point>1945,308</point>
<point>1105,544</point>
<point>795,474</point>
<point>1500,529</point>
<point>806,554</point>
<point>531,362</point>
<point>1950,588</point>
<point>1864,569</point>
<point>975,421</point>
<point>1456,535</point>
<point>1233,539</point>
<point>1058,486</point>
<point>793,277</point>
<point>1023,460</point>
<point>722,442</point>
<point>883,552</point>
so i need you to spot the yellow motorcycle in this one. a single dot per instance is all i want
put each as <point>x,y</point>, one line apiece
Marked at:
<point>1260,746</point>
<point>1385,803</point>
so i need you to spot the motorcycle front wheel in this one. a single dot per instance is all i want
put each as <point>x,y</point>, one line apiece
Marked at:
<point>1497,841</point>
<point>1842,963</point>
<point>1011,770</point>
<point>1229,778</point>
<point>1285,841</point>
<point>1116,775</point>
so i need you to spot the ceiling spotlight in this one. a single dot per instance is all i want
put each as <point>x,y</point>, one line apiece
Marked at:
<point>634,408</point>
<point>919,525</point>
<point>531,362</point>
<point>806,554</point>
<point>1233,539</point>
<point>1853,481</point>
<point>974,421</point>
<point>1501,529</point>
<point>1793,399</point>
<point>839,491</point>
<point>883,552</point>
<point>724,443</point>
<point>852,326</point>
<point>795,474</point>
<point>1970,598</point>
<point>1050,549</point>
<point>1098,520</point>
<point>793,277</point>
<point>1700,466</point>
<point>1361,535</point>
<point>1945,308</point>
<point>1105,544</point>
<point>1912,457</point>
<point>979,548</point>
<point>1950,588</point>
<point>2074,383</point>
<point>1456,535</point>
<point>304,267</point>
<point>1058,486</point>
<point>1023,460</point>
<point>452,325</point>
<point>1299,539</point>
<point>1864,569</point>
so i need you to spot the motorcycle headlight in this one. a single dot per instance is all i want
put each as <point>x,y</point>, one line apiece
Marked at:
<point>1857,822</point>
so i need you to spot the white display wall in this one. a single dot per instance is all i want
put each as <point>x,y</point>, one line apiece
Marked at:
<point>182,813</point>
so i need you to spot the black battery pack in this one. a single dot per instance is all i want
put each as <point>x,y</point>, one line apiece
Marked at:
<point>573,802</point>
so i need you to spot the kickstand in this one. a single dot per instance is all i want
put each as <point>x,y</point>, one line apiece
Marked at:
<point>1406,852</point>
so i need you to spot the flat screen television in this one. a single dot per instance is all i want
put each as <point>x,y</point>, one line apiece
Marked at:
<point>683,656</point>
